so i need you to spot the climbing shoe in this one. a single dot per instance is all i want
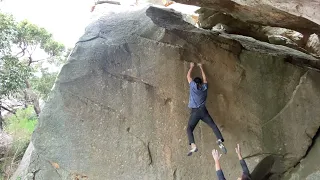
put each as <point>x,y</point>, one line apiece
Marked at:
<point>221,146</point>
<point>192,151</point>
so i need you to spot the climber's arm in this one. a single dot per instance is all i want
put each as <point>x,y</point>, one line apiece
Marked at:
<point>204,77</point>
<point>189,72</point>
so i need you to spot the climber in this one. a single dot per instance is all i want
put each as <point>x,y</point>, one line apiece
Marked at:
<point>197,100</point>
<point>245,170</point>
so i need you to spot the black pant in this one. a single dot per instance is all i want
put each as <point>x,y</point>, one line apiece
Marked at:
<point>195,116</point>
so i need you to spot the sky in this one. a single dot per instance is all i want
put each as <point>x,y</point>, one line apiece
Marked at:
<point>65,19</point>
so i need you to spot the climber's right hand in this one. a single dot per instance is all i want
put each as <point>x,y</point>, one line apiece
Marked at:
<point>191,65</point>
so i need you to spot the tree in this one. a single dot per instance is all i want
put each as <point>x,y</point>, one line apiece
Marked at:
<point>12,75</point>
<point>31,38</point>
<point>42,85</point>
<point>7,33</point>
<point>12,71</point>
<point>19,41</point>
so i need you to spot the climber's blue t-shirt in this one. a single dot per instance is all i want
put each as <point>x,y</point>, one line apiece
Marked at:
<point>197,97</point>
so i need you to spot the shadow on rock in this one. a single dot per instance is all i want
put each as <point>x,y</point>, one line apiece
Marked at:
<point>263,169</point>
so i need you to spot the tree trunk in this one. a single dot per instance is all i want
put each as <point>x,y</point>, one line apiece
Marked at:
<point>33,97</point>
<point>1,118</point>
<point>36,105</point>
<point>30,95</point>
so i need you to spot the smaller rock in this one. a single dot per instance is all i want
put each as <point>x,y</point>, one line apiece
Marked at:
<point>5,143</point>
<point>220,27</point>
<point>279,40</point>
<point>313,44</point>
<point>294,36</point>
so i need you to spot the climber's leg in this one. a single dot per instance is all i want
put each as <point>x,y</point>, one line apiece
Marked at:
<point>193,121</point>
<point>207,119</point>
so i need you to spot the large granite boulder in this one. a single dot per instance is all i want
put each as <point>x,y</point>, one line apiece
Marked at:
<point>255,20</point>
<point>118,110</point>
<point>267,12</point>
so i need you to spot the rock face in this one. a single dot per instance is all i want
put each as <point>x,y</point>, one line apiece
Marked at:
<point>209,19</point>
<point>118,110</point>
<point>291,22</point>
<point>266,12</point>
<point>309,167</point>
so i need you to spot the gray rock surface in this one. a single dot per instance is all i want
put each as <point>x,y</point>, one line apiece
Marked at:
<point>22,170</point>
<point>253,19</point>
<point>305,8</point>
<point>5,143</point>
<point>173,20</point>
<point>264,12</point>
<point>280,40</point>
<point>118,110</point>
<point>309,167</point>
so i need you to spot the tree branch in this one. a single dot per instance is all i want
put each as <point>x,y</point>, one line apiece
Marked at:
<point>18,104</point>
<point>39,60</point>
<point>30,60</point>
<point>22,47</point>
<point>11,111</point>
<point>33,49</point>
<point>20,53</point>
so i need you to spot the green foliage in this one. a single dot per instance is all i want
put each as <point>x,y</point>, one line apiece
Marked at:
<point>30,34</point>
<point>53,48</point>
<point>22,124</point>
<point>15,68</point>
<point>11,70</point>
<point>30,37</point>
<point>7,33</point>
<point>12,75</point>
<point>18,42</point>
<point>44,83</point>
